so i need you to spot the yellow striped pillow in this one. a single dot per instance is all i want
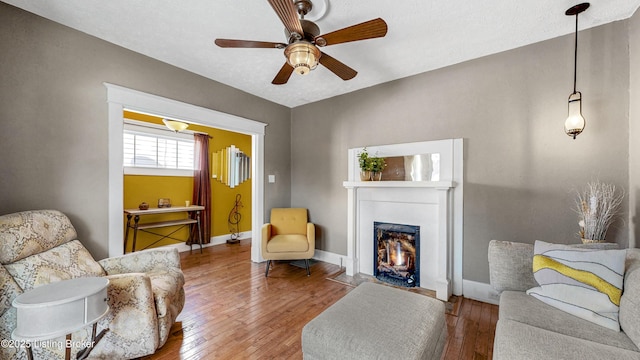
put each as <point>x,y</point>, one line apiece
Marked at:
<point>584,282</point>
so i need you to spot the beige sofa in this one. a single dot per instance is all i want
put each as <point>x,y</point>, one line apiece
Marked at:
<point>527,328</point>
<point>145,288</point>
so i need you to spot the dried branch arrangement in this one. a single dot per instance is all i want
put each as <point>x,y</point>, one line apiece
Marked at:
<point>597,206</point>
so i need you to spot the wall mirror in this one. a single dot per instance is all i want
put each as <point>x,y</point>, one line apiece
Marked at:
<point>230,166</point>
<point>421,167</point>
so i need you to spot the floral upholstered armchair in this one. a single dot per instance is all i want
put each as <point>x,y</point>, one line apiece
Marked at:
<point>145,288</point>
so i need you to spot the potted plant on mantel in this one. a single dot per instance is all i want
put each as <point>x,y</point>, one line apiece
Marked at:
<point>370,167</point>
<point>377,166</point>
<point>597,206</point>
<point>365,165</point>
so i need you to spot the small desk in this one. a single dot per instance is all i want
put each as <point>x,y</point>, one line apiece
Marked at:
<point>136,213</point>
<point>52,310</point>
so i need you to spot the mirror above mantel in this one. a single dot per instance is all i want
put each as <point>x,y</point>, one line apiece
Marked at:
<point>420,167</point>
<point>426,161</point>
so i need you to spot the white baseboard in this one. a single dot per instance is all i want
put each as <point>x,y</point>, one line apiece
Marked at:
<point>215,240</point>
<point>470,289</point>
<point>480,291</point>
<point>319,255</point>
<point>330,257</point>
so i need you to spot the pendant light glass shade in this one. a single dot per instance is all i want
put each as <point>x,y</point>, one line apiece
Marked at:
<point>302,56</point>
<point>175,125</point>
<point>574,124</point>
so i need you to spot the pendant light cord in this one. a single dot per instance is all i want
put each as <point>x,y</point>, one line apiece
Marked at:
<point>575,58</point>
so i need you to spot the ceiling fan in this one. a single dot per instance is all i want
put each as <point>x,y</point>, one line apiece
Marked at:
<point>304,38</point>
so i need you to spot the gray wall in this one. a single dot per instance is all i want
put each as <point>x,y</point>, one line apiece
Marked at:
<point>520,167</point>
<point>634,129</point>
<point>53,112</point>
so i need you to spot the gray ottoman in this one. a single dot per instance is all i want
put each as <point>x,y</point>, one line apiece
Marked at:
<point>377,322</point>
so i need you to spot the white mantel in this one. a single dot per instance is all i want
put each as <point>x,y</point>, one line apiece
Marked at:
<point>435,206</point>
<point>399,184</point>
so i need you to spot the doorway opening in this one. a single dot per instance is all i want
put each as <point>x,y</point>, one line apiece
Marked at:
<point>159,164</point>
<point>120,99</point>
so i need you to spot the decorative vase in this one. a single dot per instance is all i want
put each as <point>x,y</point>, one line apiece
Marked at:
<point>591,241</point>
<point>365,175</point>
<point>376,175</point>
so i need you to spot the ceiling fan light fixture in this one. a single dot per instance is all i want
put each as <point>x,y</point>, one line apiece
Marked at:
<point>303,39</point>
<point>175,125</point>
<point>302,56</point>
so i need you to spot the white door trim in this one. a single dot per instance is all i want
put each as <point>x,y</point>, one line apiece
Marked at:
<point>120,98</point>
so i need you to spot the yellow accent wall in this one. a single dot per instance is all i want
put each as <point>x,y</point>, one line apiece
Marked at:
<point>138,188</point>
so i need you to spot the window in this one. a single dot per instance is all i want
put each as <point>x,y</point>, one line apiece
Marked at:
<point>151,149</point>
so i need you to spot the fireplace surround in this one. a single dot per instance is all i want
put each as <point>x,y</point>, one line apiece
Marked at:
<point>434,206</point>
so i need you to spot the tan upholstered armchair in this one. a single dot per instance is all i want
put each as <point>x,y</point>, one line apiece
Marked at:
<point>145,288</point>
<point>288,237</point>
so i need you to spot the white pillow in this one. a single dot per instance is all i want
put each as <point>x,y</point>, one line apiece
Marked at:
<point>583,282</point>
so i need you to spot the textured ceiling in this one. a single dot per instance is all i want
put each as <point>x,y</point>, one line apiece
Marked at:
<point>423,36</point>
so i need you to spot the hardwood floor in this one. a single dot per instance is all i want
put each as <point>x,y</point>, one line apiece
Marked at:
<point>233,312</point>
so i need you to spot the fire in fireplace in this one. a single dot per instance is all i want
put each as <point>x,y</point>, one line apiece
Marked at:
<point>396,251</point>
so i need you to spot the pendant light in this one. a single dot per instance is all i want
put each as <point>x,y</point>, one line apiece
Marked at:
<point>574,124</point>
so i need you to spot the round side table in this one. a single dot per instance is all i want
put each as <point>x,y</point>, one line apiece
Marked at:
<point>60,308</point>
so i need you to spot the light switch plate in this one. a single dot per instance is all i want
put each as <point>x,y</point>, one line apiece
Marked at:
<point>272,179</point>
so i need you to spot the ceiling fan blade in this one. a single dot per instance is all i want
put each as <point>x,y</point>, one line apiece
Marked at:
<point>283,75</point>
<point>287,13</point>
<point>230,43</point>
<point>367,30</point>
<point>338,68</point>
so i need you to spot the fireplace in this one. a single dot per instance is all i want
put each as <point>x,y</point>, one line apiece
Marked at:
<point>433,205</point>
<point>396,253</point>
